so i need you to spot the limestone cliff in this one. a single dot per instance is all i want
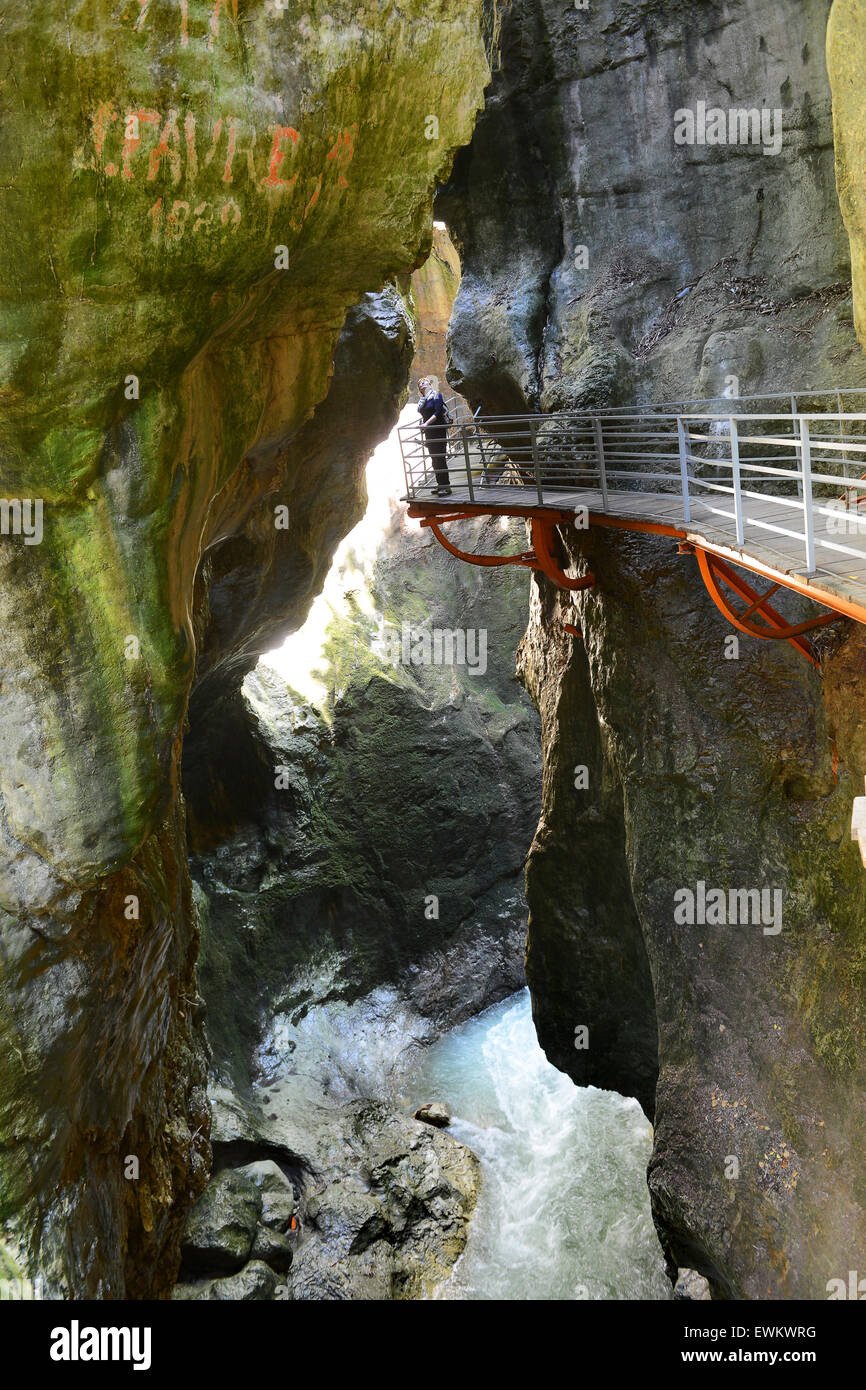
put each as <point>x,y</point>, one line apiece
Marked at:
<point>667,271</point>
<point>434,288</point>
<point>194,197</point>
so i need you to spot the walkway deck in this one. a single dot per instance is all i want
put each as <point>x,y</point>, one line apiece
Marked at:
<point>765,551</point>
<point>781,494</point>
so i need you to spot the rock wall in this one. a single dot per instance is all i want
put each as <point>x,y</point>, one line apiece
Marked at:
<point>434,288</point>
<point>225,181</point>
<point>418,782</point>
<point>664,271</point>
<point>657,270</point>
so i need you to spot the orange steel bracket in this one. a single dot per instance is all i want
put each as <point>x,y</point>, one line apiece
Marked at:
<point>543,542</point>
<point>541,557</point>
<point>759,618</point>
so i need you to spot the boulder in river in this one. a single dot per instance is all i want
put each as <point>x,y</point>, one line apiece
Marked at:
<point>434,1113</point>
<point>391,1215</point>
<point>274,1248</point>
<point>691,1287</point>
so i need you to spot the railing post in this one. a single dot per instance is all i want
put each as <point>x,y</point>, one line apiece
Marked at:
<point>485,480</point>
<point>602,470</point>
<point>806,470</point>
<point>842,441</point>
<point>684,469</point>
<point>468,463</point>
<point>735,473</point>
<point>533,435</point>
<point>796,446</point>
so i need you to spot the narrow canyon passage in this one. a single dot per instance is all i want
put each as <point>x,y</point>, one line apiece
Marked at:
<point>321,806</point>
<point>561,1205</point>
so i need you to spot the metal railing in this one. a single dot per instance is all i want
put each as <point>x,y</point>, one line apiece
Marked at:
<point>782,472</point>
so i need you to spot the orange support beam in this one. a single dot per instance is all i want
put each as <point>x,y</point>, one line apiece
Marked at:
<point>541,557</point>
<point>757,619</point>
<point>774,628</point>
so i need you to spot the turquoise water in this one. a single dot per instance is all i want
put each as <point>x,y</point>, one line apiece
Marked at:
<point>564,1210</point>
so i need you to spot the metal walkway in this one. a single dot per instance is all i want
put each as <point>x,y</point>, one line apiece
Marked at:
<point>775,485</point>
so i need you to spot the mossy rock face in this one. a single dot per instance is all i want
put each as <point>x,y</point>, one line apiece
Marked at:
<point>196,196</point>
<point>157,344</point>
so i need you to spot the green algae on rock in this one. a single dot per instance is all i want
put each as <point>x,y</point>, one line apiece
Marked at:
<point>195,197</point>
<point>132,324</point>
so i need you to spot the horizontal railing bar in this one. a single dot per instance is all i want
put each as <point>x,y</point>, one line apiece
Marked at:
<point>759,466</point>
<point>783,441</point>
<point>776,529</point>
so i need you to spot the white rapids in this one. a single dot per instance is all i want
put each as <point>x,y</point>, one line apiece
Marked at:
<point>564,1210</point>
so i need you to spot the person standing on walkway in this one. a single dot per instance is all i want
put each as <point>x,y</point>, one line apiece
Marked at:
<point>434,424</point>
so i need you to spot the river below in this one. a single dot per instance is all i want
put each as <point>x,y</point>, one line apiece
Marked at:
<point>564,1210</point>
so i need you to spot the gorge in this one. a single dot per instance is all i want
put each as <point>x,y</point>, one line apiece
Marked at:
<point>251,909</point>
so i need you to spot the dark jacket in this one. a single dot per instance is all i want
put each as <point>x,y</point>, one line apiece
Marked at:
<point>432,410</point>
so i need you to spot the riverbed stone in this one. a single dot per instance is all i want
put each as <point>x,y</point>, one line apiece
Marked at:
<point>393,1218</point>
<point>691,1287</point>
<point>274,1248</point>
<point>434,1113</point>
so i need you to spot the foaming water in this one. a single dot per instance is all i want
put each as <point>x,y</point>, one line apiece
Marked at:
<point>564,1209</point>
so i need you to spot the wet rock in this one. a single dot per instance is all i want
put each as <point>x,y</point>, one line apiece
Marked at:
<point>183,379</point>
<point>691,1286</point>
<point>393,1217</point>
<point>589,306</point>
<point>221,1227</point>
<point>736,772</point>
<point>278,1198</point>
<point>255,1283</point>
<point>274,1248</point>
<point>447,768</point>
<point>434,1114</point>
